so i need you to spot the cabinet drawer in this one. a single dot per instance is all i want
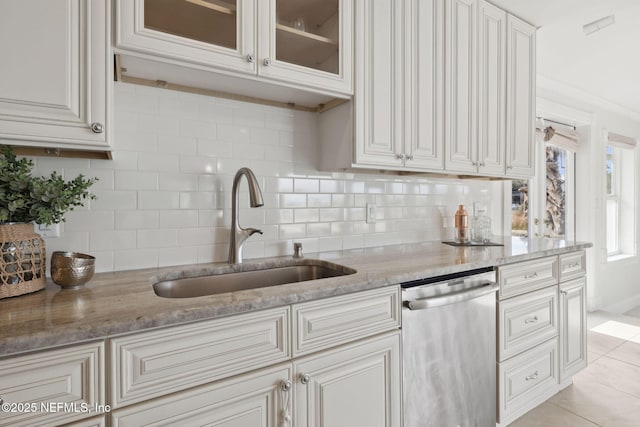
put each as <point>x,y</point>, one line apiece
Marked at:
<point>572,265</point>
<point>527,320</point>
<point>72,376</point>
<point>527,276</point>
<point>159,362</point>
<point>253,399</point>
<point>338,320</point>
<point>527,379</point>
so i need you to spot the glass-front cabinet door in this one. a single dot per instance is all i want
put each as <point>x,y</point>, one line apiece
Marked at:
<point>203,32</point>
<point>301,40</point>
<point>298,42</point>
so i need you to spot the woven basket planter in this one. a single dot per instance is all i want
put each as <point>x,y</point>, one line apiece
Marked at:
<point>22,261</point>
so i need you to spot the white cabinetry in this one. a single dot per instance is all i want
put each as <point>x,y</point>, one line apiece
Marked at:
<point>541,330</point>
<point>305,47</point>
<point>356,386</point>
<point>461,86</point>
<point>444,86</point>
<point>395,119</point>
<point>573,315</point>
<point>55,88</point>
<point>53,387</point>
<point>521,98</point>
<point>253,400</point>
<point>238,371</point>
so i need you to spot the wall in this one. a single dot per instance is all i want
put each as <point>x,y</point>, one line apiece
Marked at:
<point>165,197</point>
<point>612,286</point>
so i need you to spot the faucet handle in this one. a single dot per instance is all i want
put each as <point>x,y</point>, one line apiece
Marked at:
<point>297,250</point>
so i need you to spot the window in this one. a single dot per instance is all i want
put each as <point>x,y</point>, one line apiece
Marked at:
<point>620,175</point>
<point>544,205</point>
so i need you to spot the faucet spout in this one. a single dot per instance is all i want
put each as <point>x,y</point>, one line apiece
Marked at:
<point>238,234</point>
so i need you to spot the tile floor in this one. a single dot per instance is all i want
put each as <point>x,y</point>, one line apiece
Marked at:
<point>607,392</point>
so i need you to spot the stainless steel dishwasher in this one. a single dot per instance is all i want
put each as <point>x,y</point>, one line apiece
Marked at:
<point>449,350</point>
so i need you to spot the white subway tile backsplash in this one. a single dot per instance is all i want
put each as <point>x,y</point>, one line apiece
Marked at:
<point>133,180</point>
<point>112,240</point>
<point>158,200</point>
<point>161,162</point>
<point>165,198</point>
<point>177,182</point>
<point>136,220</point>
<point>182,218</point>
<point>157,238</point>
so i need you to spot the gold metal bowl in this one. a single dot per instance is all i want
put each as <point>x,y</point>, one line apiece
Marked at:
<point>71,269</point>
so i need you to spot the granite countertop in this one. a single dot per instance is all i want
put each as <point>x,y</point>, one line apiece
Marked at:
<point>121,302</point>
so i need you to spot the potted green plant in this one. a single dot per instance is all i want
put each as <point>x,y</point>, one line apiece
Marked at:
<point>25,199</point>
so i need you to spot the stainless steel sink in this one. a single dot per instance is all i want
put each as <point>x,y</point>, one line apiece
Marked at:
<point>243,280</point>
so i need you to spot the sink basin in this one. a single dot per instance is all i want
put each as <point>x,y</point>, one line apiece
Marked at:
<point>242,280</point>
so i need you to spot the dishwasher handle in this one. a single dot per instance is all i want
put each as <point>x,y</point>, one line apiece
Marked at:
<point>475,292</point>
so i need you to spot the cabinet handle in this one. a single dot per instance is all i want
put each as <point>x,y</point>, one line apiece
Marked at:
<point>251,58</point>
<point>97,127</point>
<point>305,378</point>
<point>481,165</point>
<point>285,385</point>
<point>400,156</point>
<point>531,276</point>
<point>409,157</point>
<point>285,388</point>
<point>532,376</point>
<point>564,292</point>
<point>266,62</point>
<point>533,319</point>
<point>574,264</point>
<point>475,164</point>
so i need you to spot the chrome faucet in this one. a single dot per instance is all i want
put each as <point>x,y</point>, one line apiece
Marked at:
<point>238,234</point>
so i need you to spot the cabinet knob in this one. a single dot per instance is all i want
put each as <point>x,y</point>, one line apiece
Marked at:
<point>305,378</point>
<point>97,127</point>
<point>266,62</point>
<point>481,165</point>
<point>285,385</point>
<point>409,157</point>
<point>251,58</point>
<point>400,156</point>
<point>475,164</point>
<point>509,167</point>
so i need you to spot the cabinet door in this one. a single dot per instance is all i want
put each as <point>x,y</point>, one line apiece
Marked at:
<point>378,101</point>
<point>492,87</point>
<point>354,386</point>
<point>573,327</point>
<point>460,86</point>
<point>220,32</point>
<point>521,97</point>
<point>56,70</point>
<point>424,143</point>
<point>254,400</point>
<point>307,42</point>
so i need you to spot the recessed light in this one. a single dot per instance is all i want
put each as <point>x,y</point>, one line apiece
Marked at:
<point>601,23</point>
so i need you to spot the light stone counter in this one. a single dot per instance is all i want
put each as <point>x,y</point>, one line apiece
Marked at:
<point>121,302</point>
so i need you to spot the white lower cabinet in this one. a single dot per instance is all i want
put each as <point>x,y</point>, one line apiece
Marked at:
<point>252,400</point>
<point>573,328</point>
<point>53,387</point>
<point>353,386</point>
<point>241,371</point>
<point>542,333</point>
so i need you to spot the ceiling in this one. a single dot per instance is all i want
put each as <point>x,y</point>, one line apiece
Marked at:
<point>605,64</point>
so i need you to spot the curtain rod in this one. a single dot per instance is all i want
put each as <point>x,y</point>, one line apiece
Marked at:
<point>557,122</point>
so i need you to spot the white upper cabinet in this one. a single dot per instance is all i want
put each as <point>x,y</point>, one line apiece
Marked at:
<point>492,87</point>
<point>55,88</point>
<point>521,98</point>
<point>461,86</point>
<point>394,120</point>
<point>304,46</point>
